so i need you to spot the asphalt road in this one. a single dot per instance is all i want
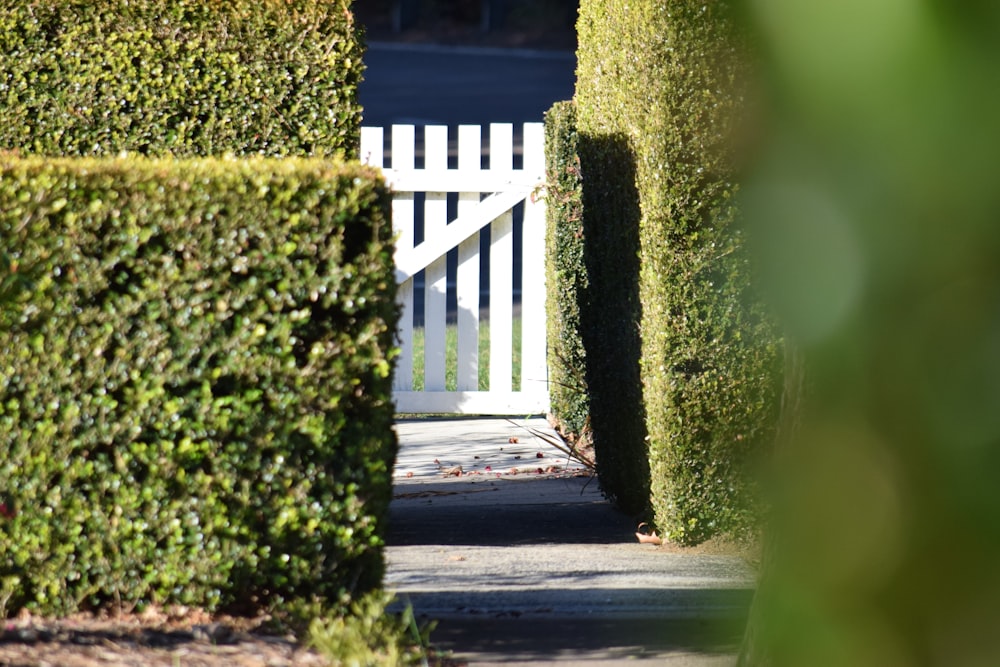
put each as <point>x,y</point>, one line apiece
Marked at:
<point>442,85</point>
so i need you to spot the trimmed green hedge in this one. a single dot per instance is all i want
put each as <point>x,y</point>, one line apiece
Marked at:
<point>183,77</point>
<point>195,390</point>
<point>565,273</point>
<point>657,92</point>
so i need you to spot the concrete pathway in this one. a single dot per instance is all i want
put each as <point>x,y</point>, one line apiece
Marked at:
<point>512,548</point>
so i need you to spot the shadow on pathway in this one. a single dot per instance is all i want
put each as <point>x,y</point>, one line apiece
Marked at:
<point>532,568</point>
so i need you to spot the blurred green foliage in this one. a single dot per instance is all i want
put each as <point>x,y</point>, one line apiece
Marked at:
<point>195,400</point>
<point>179,77</point>
<point>874,209</point>
<point>659,103</point>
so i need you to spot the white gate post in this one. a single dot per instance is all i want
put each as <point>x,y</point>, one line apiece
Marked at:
<point>534,368</point>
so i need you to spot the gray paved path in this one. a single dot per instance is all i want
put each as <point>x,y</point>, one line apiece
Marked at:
<point>527,567</point>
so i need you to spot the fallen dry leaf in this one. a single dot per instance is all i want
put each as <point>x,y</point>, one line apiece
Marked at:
<point>647,537</point>
<point>539,455</point>
<point>160,638</point>
<point>453,472</point>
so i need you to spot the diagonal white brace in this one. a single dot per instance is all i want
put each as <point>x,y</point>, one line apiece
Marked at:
<point>410,261</point>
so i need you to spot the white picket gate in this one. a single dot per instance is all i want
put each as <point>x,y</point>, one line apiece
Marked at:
<point>486,197</point>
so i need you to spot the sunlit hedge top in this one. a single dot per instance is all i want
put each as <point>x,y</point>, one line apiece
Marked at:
<point>181,77</point>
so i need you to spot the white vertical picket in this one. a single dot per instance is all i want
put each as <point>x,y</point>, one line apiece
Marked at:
<point>435,276</point>
<point>534,370</point>
<point>501,263</point>
<point>467,279</point>
<point>402,223</point>
<point>372,150</point>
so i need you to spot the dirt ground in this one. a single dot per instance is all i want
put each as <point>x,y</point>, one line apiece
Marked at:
<point>180,638</point>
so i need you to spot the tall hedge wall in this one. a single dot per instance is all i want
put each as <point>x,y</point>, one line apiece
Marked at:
<point>565,273</point>
<point>195,390</point>
<point>184,77</point>
<point>657,95</point>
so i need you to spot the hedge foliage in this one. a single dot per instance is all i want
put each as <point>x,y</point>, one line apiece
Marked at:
<point>182,77</point>
<point>658,96</point>
<point>195,398</point>
<point>565,273</point>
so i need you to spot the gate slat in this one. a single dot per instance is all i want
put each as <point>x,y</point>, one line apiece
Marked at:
<point>501,269</point>
<point>456,180</point>
<point>467,279</point>
<point>470,403</point>
<point>435,276</point>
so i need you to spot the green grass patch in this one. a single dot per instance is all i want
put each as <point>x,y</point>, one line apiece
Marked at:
<point>451,357</point>
<point>368,634</point>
